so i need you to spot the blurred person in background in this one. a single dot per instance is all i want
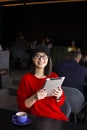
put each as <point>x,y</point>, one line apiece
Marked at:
<point>75,74</point>
<point>19,50</point>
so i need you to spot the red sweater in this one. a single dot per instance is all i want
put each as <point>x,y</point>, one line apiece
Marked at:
<point>47,107</point>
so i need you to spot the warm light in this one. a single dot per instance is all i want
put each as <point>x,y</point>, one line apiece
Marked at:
<point>55,1</point>
<point>21,2</point>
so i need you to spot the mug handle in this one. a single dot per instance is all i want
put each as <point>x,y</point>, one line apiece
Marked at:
<point>14,118</point>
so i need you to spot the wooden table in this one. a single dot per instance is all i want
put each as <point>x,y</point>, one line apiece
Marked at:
<point>37,123</point>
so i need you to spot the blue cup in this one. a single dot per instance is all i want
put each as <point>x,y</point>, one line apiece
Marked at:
<point>21,117</point>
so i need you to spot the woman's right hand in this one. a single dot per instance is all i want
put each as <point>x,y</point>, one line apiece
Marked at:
<point>41,94</point>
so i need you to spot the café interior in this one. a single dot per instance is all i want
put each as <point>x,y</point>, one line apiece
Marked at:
<point>12,68</point>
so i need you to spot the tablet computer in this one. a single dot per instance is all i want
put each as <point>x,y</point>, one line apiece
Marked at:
<point>52,83</point>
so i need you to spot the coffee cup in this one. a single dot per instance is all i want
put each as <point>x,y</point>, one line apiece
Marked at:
<point>21,117</point>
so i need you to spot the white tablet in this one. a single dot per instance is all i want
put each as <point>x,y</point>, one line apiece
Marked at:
<point>52,83</point>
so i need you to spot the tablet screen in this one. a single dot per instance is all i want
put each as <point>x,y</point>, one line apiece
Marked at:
<point>52,83</point>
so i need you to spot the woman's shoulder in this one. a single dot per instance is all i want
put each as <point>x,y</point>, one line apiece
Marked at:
<point>27,75</point>
<point>54,75</point>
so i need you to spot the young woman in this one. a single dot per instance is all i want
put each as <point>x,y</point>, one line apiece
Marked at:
<point>30,95</point>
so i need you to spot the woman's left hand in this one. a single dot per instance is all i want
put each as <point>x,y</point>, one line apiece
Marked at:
<point>57,93</point>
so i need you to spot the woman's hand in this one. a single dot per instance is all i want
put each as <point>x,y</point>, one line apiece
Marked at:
<point>57,93</point>
<point>41,94</point>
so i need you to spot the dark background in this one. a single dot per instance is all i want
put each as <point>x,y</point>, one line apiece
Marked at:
<point>61,21</point>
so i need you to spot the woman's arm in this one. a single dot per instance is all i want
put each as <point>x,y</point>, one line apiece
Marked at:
<point>30,101</point>
<point>41,94</point>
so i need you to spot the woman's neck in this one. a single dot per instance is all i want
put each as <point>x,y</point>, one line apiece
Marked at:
<point>40,73</point>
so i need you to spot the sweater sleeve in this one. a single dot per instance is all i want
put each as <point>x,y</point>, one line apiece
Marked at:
<point>62,100</point>
<point>22,95</point>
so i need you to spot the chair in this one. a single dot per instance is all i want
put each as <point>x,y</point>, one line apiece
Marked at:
<point>4,67</point>
<point>66,108</point>
<point>76,100</point>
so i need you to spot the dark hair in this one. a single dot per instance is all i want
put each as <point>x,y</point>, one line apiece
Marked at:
<point>74,54</point>
<point>48,68</point>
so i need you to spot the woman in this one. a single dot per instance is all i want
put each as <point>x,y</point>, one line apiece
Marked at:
<point>30,95</point>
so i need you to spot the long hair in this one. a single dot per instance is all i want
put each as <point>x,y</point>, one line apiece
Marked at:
<point>47,70</point>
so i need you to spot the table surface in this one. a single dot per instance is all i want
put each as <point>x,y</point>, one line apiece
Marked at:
<point>37,123</point>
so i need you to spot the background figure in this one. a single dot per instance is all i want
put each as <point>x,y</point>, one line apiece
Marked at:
<point>19,50</point>
<point>76,74</point>
<point>31,96</point>
<point>84,59</point>
<point>72,46</point>
<point>48,42</point>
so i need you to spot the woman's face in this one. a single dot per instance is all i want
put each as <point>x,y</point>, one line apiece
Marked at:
<point>40,60</point>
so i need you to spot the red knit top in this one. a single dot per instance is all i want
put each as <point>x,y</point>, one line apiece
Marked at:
<point>47,107</point>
